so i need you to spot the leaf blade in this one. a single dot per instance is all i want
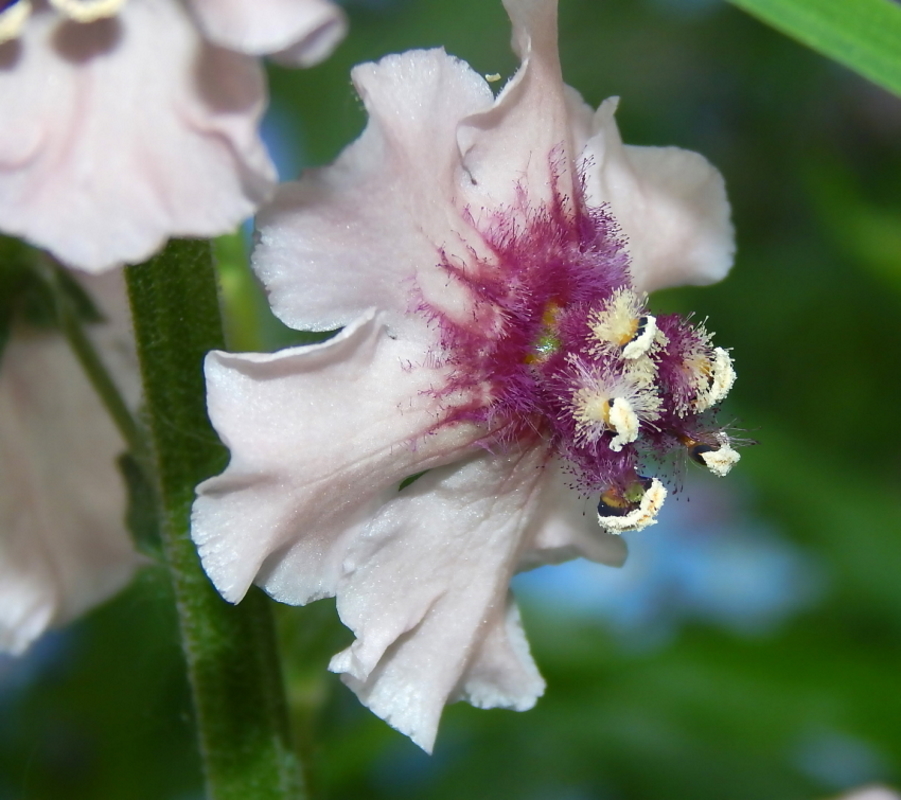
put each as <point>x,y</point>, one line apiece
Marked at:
<point>863,35</point>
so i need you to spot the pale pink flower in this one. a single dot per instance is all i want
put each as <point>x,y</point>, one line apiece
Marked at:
<point>488,258</point>
<point>126,122</point>
<point>63,543</point>
<point>873,792</point>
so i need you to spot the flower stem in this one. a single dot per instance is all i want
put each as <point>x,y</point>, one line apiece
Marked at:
<point>231,651</point>
<point>94,368</point>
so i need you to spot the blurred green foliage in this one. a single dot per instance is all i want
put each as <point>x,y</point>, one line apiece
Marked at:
<point>812,157</point>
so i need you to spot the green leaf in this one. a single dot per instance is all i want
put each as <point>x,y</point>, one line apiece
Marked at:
<point>864,35</point>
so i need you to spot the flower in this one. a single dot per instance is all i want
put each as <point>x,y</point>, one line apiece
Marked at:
<point>129,121</point>
<point>63,544</point>
<point>488,258</point>
<point>874,792</point>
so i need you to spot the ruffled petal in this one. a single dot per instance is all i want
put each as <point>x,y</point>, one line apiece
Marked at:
<point>670,203</point>
<point>526,137</point>
<point>566,527</point>
<point>361,232</point>
<point>303,31</point>
<point>107,148</point>
<point>317,436</point>
<point>63,545</point>
<point>426,594</point>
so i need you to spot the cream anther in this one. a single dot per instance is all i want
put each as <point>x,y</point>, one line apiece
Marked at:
<point>720,461</point>
<point>723,377</point>
<point>622,325</point>
<point>624,422</point>
<point>643,341</point>
<point>87,10</point>
<point>12,19</point>
<point>640,518</point>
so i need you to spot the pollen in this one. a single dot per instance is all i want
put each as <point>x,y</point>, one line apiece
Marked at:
<point>716,453</point>
<point>722,378</point>
<point>595,413</point>
<point>721,461</point>
<point>617,404</point>
<point>644,336</point>
<point>12,18</point>
<point>620,511</point>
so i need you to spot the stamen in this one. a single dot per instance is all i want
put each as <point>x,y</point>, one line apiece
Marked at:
<point>12,17</point>
<point>624,421</point>
<point>88,10</point>
<point>620,511</point>
<point>645,334</point>
<point>721,461</point>
<point>719,457</point>
<point>617,403</point>
<point>621,324</point>
<point>723,377</point>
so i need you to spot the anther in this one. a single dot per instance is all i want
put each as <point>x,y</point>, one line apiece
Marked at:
<point>719,458</point>
<point>624,422</point>
<point>723,376</point>
<point>88,10</point>
<point>620,325</point>
<point>632,509</point>
<point>642,339</point>
<point>12,18</point>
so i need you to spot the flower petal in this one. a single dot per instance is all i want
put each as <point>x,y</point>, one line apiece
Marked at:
<point>317,435</point>
<point>308,30</point>
<point>566,528</point>
<point>527,135</point>
<point>426,594</point>
<point>107,149</point>
<point>63,545</point>
<point>670,203</point>
<point>345,238</point>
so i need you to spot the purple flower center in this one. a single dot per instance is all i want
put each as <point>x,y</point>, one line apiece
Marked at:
<point>560,350</point>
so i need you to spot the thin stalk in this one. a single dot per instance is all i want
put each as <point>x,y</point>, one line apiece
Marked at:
<point>231,652</point>
<point>96,370</point>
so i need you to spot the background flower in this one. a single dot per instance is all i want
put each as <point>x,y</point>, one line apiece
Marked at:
<point>108,147</point>
<point>63,543</point>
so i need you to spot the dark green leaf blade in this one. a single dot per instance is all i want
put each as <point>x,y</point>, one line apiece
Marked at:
<point>864,35</point>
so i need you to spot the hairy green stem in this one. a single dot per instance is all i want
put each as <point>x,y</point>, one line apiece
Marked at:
<point>231,651</point>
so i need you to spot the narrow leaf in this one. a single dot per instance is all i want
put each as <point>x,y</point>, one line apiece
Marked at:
<point>864,35</point>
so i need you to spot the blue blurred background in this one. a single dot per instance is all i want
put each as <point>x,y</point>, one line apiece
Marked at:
<point>751,646</point>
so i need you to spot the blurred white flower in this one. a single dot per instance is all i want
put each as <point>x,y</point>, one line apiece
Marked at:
<point>473,247</point>
<point>63,543</point>
<point>871,793</point>
<point>126,122</point>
